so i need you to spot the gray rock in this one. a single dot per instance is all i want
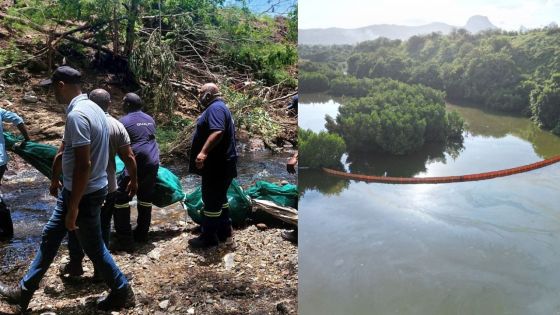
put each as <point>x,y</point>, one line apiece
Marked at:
<point>30,97</point>
<point>164,304</point>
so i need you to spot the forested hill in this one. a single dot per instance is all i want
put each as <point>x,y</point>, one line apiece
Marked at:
<point>507,71</point>
<point>341,36</point>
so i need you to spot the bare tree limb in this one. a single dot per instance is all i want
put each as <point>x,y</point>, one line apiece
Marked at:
<point>283,97</point>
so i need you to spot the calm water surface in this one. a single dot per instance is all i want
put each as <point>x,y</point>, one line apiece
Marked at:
<point>488,247</point>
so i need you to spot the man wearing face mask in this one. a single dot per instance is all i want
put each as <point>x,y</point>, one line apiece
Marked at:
<point>141,128</point>
<point>213,156</point>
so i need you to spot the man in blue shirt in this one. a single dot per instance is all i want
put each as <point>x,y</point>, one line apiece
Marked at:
<point>214,157</point>
<point>6,225</point>
<point>141,128</point>
<point>84,162</point>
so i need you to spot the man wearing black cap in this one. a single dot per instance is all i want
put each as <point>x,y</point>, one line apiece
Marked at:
<point>141,128</point>
<point>214,157</point>
<point>84,161</point>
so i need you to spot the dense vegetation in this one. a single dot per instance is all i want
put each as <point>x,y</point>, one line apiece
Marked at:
<point>164,49</point>
<point>159,41</point>
<point>320,150</point>
<point>507,71</point>
<point>394,117</point>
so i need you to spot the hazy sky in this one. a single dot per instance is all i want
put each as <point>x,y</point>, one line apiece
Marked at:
<point>505,14</point>
<point>270,6</point>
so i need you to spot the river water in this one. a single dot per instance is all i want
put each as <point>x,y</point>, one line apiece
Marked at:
<point>26,194</point>
<point>487,247</point>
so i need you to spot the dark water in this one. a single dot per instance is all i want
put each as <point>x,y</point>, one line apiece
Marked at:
<point>26,194</point>
<point>488,247</point>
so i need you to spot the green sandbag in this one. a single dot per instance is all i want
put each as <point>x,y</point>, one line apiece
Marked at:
<point>38,155</point>
<point>168,188</point>
<point>239,204</point>
<point>286,195</point>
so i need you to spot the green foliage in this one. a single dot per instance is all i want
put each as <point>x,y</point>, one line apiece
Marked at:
<point>12,55</point>
<point>324,54</point>
<point>313,82</point>
<point>495,69</point>
<point>350,86</point>
<point>250,114</point>
<point>167,133</point>
<point>545,104</point>
<point>293,25</point>
<point>154,62</point>
<point>395,117</point>
<point>254,44</point>
<point>320,150</point>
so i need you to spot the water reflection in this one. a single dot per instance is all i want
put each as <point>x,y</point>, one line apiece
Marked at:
<point>490,247</point>
<point>405,166</point>
<point>316,180</point>
<point>487,247</point>
<point>492,141</point>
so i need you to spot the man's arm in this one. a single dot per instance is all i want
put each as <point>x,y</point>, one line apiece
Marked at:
<point>80,177</point>
<point>214,138</point>
<point>291,166</point>
<point>56,171</point>
<point>23,130</point>
<point>127,156</point>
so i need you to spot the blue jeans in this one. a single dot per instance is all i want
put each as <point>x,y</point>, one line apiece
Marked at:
<point>75,250</point>
<point>89,236</point>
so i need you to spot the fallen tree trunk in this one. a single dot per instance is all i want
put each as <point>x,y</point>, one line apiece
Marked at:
<point>285,214</point>
<point>64,35</point>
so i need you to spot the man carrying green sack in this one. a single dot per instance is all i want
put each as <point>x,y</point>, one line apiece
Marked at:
<point>6,225</point>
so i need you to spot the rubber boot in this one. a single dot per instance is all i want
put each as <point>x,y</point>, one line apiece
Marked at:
<point>208,237</point>
<point>144,220</point>
<point>225,230</point>
<point>123,240</point>
<point>6,224</point>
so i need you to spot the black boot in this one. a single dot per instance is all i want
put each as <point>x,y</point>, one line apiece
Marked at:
<point>122,243</point>
<point>6,225</point>
<point>208,237</point>
<point>117,299</point>
<point>144,220</point>
<point>140,237</point>
<point>97,278</point>
<point>225,234</point>
<point>290,236</point>
<point>204,240</point>
<point>225,230</point>
<point>16,296</point>
<point>72,269</point>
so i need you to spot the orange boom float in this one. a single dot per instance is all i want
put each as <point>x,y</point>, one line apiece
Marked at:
<point>444,179</point>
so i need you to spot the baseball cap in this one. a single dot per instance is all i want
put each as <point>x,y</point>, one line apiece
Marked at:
<point>65,74</point>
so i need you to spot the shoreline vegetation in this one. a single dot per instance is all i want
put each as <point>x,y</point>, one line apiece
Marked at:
<point>394,91</point>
